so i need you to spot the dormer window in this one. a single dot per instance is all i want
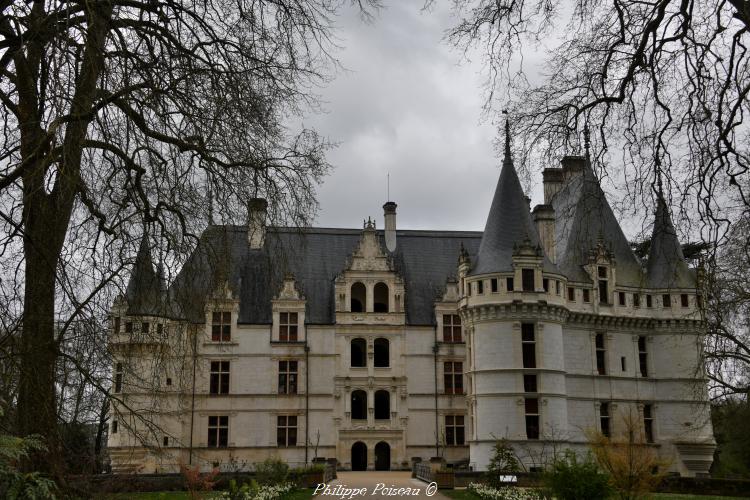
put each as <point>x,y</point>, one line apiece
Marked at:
<point>603,285</point>
<point>221,326</point>
<point>288,326</point>
<point>527,280</point>
<point>381,298</point>
<point>493,285</point>
<point>359,297</point>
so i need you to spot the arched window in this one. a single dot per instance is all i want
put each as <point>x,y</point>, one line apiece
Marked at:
<point>382,354</point>
<point>382,405</point>
<point>359,297</point>
<point>381,298</point>
<point>359,405</point>
<point>359,353</point>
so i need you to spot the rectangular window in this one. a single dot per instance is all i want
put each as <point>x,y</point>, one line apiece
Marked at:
<point>649,301</point>
<point>642,356</point>
<point>286,430</point>
<point>480,287</point>
<point>636,300</point>
<point>601,354</point>
<point>219,382</point>
<point>603,286</point>
<point>571,294</point>
<point>557,287</point>
<point>684,300</point>
<point>128,327</point>
<point>666,300</point>
<point>118,378</point>
<point>159,328</point>
<point>165,441</point>
<point>114,427</point>
<point>623,364</point>
<point>493,285</point>
<point>287,377</point>
<point>116,326</point>
<point>648,423</point>
<point>288,327</point>
<point>528,345</point>
<point>218,431</point>
<point>145,326</point>
<point>527,280</point>
<point>469,285</point>
<point>451,328</point>
<point>529,383</point>
<point>604,419</point>
<point>221,326</point>
<point>532,418</point>
<point>545,284</point>
<point>509,284</point>
<point>586,295</point>
<point>621,296</point>
<point>454,430</point>
<point>453,377</point>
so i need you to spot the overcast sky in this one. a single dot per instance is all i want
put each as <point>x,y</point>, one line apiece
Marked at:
<point>409,106</point>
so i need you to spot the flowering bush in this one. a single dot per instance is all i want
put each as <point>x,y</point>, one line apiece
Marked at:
<point>253,491</point>
<point>505,493</point>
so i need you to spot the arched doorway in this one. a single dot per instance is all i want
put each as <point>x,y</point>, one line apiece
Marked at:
<point>359,456</point>
<point>382,456</point>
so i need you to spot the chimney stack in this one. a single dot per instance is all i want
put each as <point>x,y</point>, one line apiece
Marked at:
<point>256,226</point>
<point>544,218</point>
<point>572,166</point>
<point>389,210</point>
<point>553,181</point>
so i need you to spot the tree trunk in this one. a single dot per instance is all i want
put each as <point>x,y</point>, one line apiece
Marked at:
<point>36,392</point>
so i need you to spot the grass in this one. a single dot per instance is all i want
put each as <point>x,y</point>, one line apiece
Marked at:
<point>302,494</point>
<point>464,494</point>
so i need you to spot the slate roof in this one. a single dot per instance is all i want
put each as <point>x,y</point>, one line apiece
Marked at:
<point>316,256</point>
<point>145,293</point>
<point>509,223</point>
<point>666,264</point>
<point>583,219</point>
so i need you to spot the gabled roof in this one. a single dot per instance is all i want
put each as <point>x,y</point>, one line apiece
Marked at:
<point>316,256</point>
<point>509,224</point>
<point>583,221</point>
<point>145,291</point>
<point>666,264</point>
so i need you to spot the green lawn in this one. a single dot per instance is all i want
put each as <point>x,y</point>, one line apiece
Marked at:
<point>463,494</point>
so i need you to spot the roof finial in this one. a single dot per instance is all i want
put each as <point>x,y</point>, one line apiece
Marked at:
<point>507,137</point>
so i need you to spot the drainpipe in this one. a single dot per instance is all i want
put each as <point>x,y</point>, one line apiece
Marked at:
<point>435,349</point>
<point>307,396</point>
<point>192,402</point>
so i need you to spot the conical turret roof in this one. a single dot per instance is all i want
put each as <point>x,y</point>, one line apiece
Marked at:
<point>666,263</point>
<point>146,288</point>
<point>509,223</point>
<point>584,222</point>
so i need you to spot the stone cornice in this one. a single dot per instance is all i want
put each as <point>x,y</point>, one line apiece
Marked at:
<point>516,310</point>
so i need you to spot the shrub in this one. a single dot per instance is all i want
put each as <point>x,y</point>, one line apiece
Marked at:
<point>271,471</point>
<point>254,491</point>
<point>634,467</point>
<point>571,479</point>
<point>503,462</point>
<point>18,485</point>
<point>505,493</point>
<point>195,481</point>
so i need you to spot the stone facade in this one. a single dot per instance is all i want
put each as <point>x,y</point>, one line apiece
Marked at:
<point>376,348</point>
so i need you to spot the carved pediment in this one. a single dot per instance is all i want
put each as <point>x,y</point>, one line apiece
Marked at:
<point>289,289</point>
<point>369,254</point>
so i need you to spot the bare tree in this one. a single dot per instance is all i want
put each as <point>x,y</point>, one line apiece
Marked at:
<point>663,83</point>
<point>122,111</point>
